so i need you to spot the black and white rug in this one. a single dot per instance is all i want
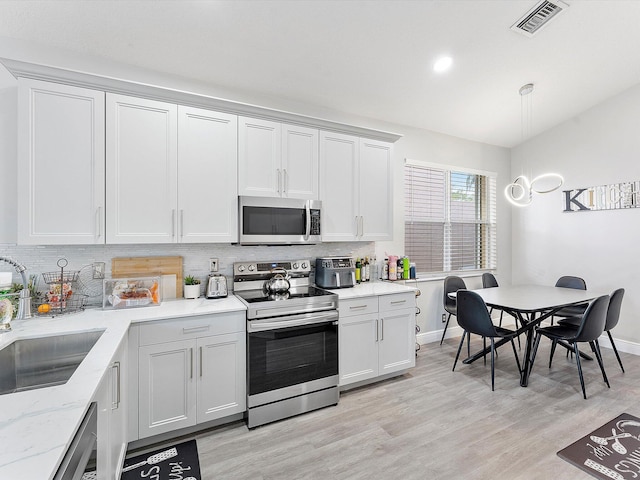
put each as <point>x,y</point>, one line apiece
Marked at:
<point>611,451</point>
<point>176,462</point>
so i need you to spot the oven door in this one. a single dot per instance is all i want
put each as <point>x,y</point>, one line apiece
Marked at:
<point>296,350</point>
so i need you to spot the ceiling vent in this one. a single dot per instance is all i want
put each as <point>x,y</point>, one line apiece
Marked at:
<point>538,17</point>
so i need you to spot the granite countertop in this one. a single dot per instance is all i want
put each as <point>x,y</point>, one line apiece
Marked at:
<point>37,426</point>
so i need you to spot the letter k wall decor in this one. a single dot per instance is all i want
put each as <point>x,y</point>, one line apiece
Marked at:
<point>614,196</point>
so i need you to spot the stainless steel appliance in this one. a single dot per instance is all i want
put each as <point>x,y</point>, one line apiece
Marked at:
<point>279,221</point>
<point>292,341</point>
<point>335,272</point>
<point>216,286</point>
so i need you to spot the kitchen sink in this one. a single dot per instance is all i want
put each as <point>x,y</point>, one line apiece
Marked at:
<point>32,363</point>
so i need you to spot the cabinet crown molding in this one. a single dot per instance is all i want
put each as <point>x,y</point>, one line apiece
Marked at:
<point>49,73</point>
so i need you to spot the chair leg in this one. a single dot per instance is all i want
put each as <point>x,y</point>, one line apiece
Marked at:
<point>445,329</point>
<point>615,350</point>
<point>484,347</point>
<point>492,363</point>
<point>468,344</point>
<point>577,352</point>
<point>595,346</point>
<point>458,353</point>
<point>554,343</point>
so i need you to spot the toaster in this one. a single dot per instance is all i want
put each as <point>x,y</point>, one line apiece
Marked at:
<point>335,272</point>
<point>217,286</point>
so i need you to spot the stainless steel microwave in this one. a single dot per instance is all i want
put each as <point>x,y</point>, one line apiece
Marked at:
<point>279,221</point>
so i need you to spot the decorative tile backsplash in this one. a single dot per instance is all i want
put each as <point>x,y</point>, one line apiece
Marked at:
<point>38,259</point>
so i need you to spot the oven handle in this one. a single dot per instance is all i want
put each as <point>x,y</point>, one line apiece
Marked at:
<point>297,321</point>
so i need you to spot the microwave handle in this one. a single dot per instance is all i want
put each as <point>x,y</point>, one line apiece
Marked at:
<point>307,208</point>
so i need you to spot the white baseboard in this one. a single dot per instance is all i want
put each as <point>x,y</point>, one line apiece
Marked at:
<point>456,331</point>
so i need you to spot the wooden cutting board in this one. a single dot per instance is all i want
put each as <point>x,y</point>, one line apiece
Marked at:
<point>123,267</point>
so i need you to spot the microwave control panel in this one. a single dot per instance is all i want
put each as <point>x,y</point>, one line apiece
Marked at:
<point>315,222</point>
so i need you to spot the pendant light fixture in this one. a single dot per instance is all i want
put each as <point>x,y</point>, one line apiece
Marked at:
<point>520,191</point>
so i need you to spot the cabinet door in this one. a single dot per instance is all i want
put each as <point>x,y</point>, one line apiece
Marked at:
<point>358,348</point>
<point>221,376</point>
<point>207,176</point>
<point>299,162</point>
<point>338,186</point>
<point>397,340</point>
<point>118,404</point>
<point>259,153</point>
<point>375,177</point>
<point>167,387</point>
<point>61,164</point>
<point>141,170</point>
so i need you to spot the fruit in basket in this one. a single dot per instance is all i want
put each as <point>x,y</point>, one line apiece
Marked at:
<point>44,308</point>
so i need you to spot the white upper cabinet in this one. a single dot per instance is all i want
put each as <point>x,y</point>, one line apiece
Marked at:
<point>60,164</point>
<point>171,173</point>
<point>277,160</point>
<point>338,186</point>
<point>355,188</point>
<point>375,180</point>
<point>141,170</point>
<point>207,176</point>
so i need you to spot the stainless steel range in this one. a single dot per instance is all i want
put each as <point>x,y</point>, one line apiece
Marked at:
<point>292,340</point>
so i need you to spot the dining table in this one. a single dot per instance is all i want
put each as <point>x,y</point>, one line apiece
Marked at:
<point>531,305</point>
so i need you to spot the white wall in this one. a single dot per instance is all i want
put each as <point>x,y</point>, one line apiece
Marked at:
<point>416,144</point>
<point>598,147</point>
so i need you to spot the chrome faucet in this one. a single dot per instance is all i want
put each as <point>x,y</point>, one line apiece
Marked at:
<point>24,305</point>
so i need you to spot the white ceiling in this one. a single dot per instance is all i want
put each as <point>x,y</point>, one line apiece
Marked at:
<point>371,58</point>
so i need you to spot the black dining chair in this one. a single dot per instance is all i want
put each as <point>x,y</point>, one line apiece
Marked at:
<point>613,315</point>
<point>451,284</point>
<point>489,281</point>
<point>473,317</point>
<point>577,283</point>
<point>589,330</point>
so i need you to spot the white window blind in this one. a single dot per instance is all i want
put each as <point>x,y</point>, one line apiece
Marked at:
<point>450,219</point>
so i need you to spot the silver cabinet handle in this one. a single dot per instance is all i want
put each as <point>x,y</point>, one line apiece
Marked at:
<point>201,328</point>
<point>201,362</point>
<point>381,329</point>
<point>396,302</point>
<point>191,352</point>
<point>115,405</point>
<point>357,226</point>
<point>361,226</point>
<point>285,182</point>
<point>279,179</point>
<point>376,329</point>
<point>357,306</point>
<point>98,226</point>
<point>182,223</point>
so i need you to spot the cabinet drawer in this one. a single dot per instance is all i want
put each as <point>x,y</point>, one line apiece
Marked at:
<point>191,327</point>
<point>358,306</point>
<point>397,301</point>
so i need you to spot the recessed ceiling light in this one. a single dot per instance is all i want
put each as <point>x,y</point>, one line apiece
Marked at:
<point>442,64</point>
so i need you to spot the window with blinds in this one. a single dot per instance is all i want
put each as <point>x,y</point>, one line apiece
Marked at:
<point>450,219</point>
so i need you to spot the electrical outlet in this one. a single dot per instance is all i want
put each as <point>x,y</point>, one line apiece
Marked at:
<point>444,318</point>
<point>98,270</point>
<point>213,264</point>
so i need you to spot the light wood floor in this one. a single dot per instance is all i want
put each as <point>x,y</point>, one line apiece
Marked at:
<point>436,424</point>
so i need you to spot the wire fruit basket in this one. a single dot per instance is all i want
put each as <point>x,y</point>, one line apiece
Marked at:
<point>60,297</point>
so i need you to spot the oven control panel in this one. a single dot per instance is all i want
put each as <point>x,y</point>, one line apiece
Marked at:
<point>296,268</point>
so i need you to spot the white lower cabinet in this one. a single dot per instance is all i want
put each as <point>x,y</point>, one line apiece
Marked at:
<point>190,371</point>
<point>112,418</point>
<point>377,336</point>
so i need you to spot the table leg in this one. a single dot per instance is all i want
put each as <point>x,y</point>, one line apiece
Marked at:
<point>526,364</point>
